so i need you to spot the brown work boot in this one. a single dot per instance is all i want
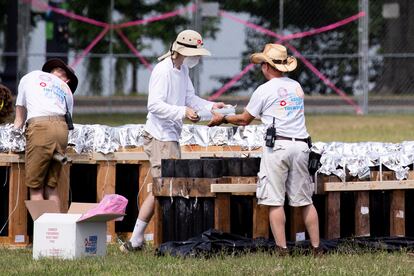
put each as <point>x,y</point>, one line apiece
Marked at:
<point>317,251</point>
<point>281,251</point>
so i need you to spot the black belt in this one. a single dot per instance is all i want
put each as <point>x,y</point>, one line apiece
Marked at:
<point>291,139</point>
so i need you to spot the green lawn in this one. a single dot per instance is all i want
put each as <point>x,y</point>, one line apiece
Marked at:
<point>19,262</point>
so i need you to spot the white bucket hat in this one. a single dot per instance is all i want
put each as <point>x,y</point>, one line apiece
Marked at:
<point>276,56</point>
<point>188,43</point>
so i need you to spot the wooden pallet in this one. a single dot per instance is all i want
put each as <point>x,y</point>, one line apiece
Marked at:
<point>221,189</point>
<point>106,181</point>
<point>383,181</point>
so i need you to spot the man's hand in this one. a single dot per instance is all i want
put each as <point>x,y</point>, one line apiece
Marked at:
<point>218,105</point>
<point>191,115</point>
<point>216,120</point>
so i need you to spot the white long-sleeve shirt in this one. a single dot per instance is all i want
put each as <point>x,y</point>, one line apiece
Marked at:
<point>170,91</point>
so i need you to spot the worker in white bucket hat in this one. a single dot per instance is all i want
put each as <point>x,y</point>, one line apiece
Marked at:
<point>171,99</point>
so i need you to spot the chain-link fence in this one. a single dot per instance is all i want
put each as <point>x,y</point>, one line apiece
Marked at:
<point>354,56</point>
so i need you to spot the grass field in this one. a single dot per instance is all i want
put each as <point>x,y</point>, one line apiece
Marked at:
<point>326,128</point>
<point>346,128</point>
<point>19,262</point>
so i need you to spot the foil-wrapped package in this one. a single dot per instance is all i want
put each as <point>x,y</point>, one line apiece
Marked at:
<point>11,139</point>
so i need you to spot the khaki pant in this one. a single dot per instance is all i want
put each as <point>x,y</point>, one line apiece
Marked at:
<point>284,170</point>
<point>157,150</point>
<point>43,138</point>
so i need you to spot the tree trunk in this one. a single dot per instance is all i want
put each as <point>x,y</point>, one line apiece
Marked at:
<point>9,75</point>
<point>398,71</point>
<point>134,88</point>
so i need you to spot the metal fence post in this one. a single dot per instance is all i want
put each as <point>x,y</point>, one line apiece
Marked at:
<point>197,25</point>
<point>23,28</point>
<point>363,49</point>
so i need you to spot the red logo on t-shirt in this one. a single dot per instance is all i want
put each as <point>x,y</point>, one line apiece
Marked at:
<point>42,84</point>
<point>282,103</point>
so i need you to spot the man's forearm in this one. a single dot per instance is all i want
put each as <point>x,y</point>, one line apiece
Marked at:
<point>20,118</point>
<point>237,120</point>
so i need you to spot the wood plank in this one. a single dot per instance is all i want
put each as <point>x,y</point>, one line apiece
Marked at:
<point>63,188</point>
<point>131,149</point>
<point>105,184</point>
<point>185,187</point>
<point>231,148</point>
<point>369,185</point>
<point>260,220</point>
<point>297,226</point>
<point>386,175</point>
<point>8,158</point>
<point>4,240</point>
<point>17,210</point>
<point>222,212</point>
<point>233,188</point>
<point>136,154</point>
<point>241,179</point>
<point>410,175</point>
<point>362,224</point>
<point>397,213</point>
<point>81,158</point>
<point>118,156</point>
<point>333,215</point>
<point>191,148</point>
<point>320,181</point>
<point>157,218</point>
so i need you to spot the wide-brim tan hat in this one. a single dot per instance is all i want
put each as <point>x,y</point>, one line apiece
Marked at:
<point>188,43</point>
<point>58,63</point>
<point>276,56</point>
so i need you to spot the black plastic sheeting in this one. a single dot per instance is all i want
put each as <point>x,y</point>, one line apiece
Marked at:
<point>213,242</point>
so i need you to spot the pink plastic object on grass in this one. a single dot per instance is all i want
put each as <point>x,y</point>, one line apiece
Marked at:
<point>110,204</point>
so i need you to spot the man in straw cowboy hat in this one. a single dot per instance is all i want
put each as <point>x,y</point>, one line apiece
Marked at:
<point>43,99</point>
<point>284,164</point>
<point>171,98</point>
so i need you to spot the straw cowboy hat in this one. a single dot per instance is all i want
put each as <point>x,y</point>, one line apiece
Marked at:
<point>276,56</point>
<point>56,62</point>
<point>188,43</point>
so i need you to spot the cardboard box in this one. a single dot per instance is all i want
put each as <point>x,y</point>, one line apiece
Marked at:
<point>67,236</point>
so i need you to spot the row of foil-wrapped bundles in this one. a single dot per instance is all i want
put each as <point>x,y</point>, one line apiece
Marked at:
<point>105,139</point>
<point>358,159</point>
<point>336,157</point>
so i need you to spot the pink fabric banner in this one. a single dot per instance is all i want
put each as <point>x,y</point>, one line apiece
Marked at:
<point>63,12</point>
<point>231,82</point>
<point>155,18</point>
<point>90,46</point>
<point>134,50</point>
<point>303,59</point>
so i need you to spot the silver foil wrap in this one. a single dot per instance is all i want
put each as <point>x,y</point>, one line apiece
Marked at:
<point>11,139</point>
<point>341,159</point>
<point>360,158</point>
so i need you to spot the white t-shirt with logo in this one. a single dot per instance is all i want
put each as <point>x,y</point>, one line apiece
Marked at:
<point>44,94</point>
<point>282,99</point>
